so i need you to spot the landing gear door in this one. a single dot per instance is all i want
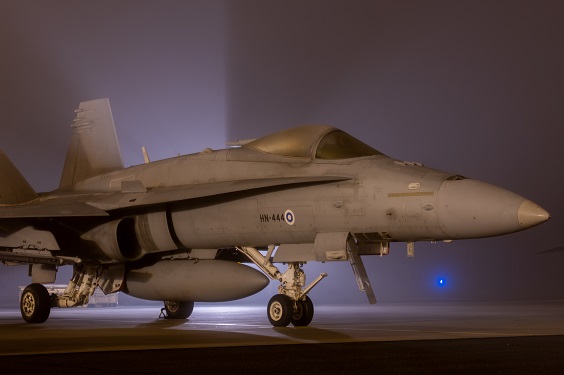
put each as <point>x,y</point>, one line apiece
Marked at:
<point>111,278</point>
<point>340,246</point>
<point>359,271</point>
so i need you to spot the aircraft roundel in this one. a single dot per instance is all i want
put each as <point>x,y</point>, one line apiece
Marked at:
<point>289,217</point>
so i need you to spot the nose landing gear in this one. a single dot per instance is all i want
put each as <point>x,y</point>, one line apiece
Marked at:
<point>291,305</point>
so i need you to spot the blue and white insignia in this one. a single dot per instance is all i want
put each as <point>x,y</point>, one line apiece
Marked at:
<point>289,217</point>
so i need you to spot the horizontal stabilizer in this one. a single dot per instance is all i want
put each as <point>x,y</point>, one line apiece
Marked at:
<point>14,189</point>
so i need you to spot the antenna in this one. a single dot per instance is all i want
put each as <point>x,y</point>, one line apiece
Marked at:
<point>145,155</point>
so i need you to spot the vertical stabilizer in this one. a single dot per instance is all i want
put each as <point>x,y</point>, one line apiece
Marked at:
<point>14,189</point>
<point>94,147</point>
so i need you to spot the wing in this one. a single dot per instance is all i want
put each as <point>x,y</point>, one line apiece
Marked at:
<point>62,207</point>
<point>99,204</point>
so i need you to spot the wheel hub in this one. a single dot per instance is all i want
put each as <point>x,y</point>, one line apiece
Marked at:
<point>172,306</point>
<point>276,311</point>
<point>28,304</point>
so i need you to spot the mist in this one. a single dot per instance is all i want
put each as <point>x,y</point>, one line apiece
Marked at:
<point>470,87</point>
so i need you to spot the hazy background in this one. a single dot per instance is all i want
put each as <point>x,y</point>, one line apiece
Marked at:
<point>472,87</point>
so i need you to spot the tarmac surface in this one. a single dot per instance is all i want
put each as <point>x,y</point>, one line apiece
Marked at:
<point>500,337</point>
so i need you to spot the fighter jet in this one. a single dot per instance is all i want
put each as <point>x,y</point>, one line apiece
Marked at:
<point>179,230</point>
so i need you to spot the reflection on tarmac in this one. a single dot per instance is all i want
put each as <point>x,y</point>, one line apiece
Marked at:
<point>217,325</point>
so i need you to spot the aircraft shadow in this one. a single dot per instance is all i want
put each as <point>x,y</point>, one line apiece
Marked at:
<point>311,333</point>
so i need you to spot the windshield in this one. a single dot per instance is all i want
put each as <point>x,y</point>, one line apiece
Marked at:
<point>339,145</point>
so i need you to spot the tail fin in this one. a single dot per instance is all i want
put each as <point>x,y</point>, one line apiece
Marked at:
<point>94,147</point>
<point>14,189</point>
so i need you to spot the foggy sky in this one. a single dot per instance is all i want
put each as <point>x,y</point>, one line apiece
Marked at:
<point>470,87</point>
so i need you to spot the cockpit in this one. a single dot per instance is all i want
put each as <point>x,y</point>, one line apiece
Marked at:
<point>313,141</point>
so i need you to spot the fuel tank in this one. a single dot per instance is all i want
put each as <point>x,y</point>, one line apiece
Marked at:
<point>194,280</point>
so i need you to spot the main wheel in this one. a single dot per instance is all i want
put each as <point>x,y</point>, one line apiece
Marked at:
<point>280,310</point>
<point>178,309</point>
<point>35,304</point>
<point>303,314</point>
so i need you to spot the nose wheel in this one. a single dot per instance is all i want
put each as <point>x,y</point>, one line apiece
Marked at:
<point>303,313</point>
<point>282,310</point>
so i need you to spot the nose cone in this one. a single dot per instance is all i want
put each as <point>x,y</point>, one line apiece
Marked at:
<point>530,214</point>
<point>472,209</point>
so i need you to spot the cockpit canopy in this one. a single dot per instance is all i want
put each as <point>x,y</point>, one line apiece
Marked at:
<point>309,141</point>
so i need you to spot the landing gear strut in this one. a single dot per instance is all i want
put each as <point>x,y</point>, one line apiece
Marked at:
<point>291,305</point>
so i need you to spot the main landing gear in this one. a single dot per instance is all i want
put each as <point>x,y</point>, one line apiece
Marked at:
<point>36,302</point>
<point>291,305</point>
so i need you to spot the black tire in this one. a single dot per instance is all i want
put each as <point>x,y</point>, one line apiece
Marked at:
<point>178,309</point>
<point>303,314</point>
<point>35,304</point>
<point>280,310</point>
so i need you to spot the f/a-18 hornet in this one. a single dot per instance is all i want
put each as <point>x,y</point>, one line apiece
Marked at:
<point>178,230</point>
